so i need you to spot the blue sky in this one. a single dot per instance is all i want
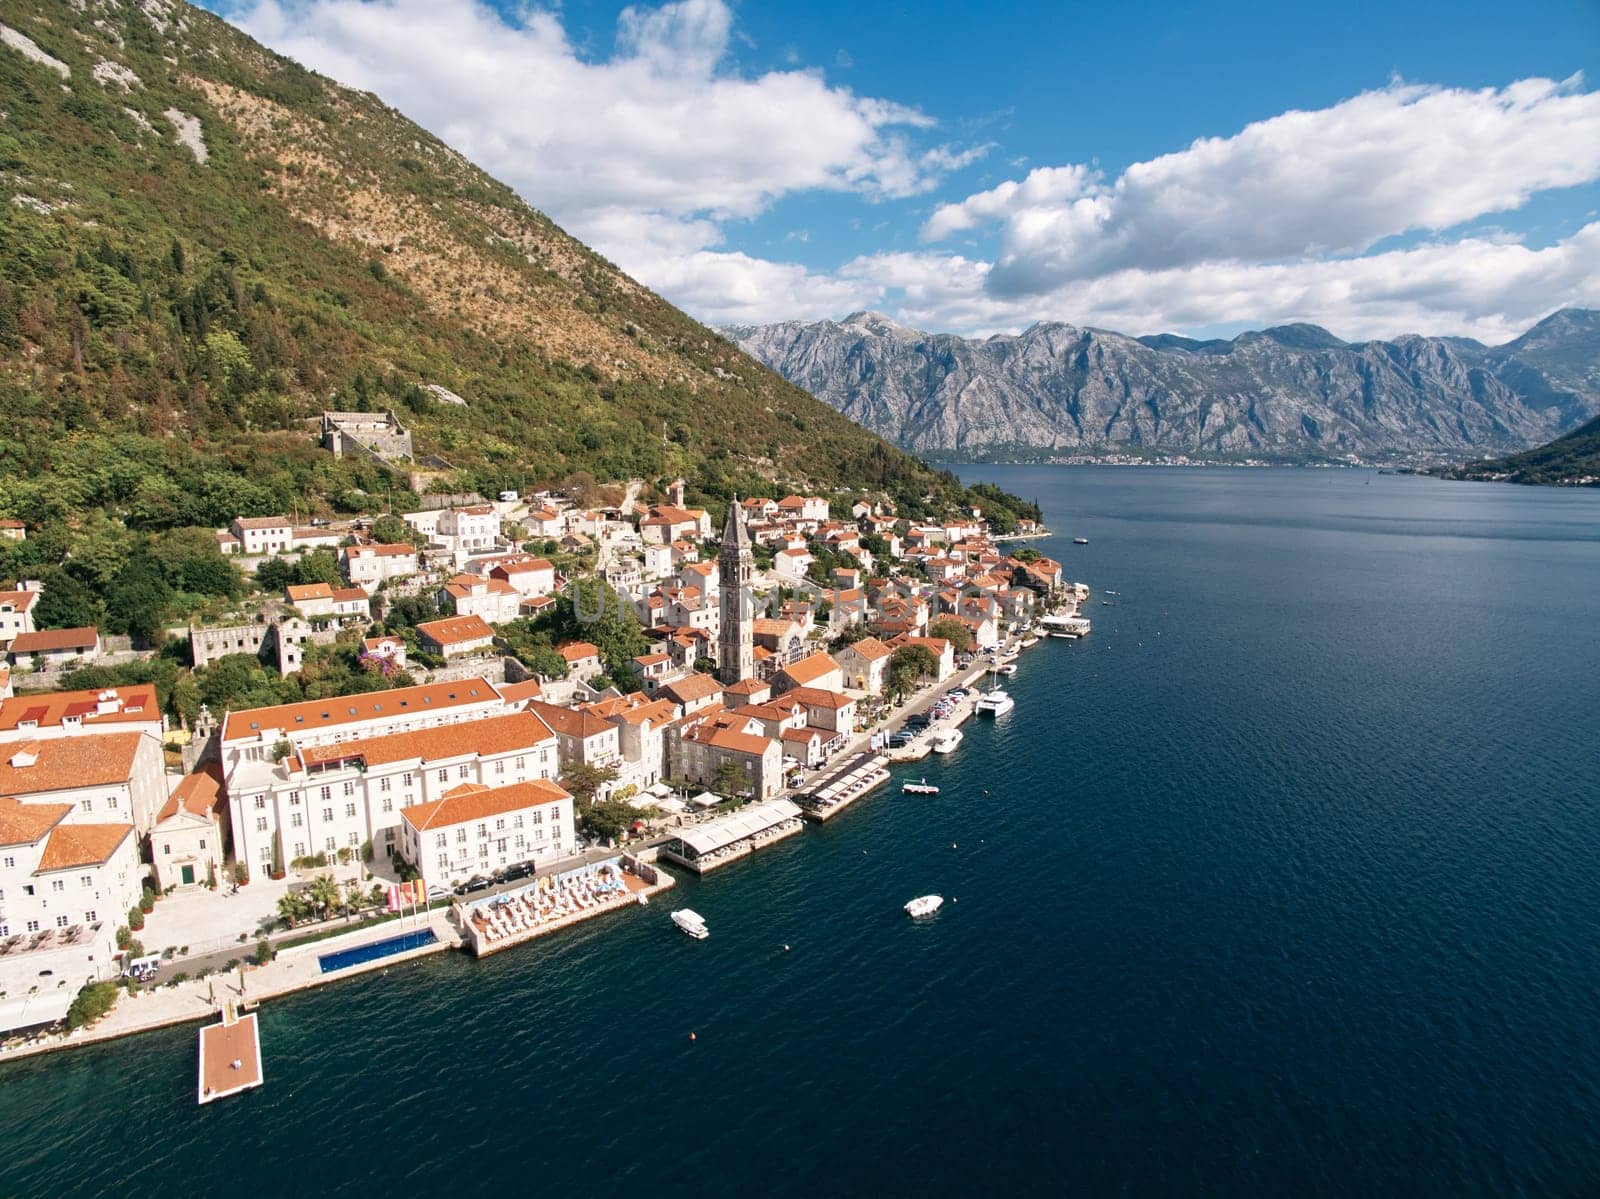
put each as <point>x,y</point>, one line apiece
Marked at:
<point>1377,168</point>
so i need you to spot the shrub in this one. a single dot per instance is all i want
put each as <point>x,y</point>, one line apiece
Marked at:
<point>135,918</point>
<point>241,873</point>
<point>94,1001</point>
<point>124,937</point>
<point>264,952</point>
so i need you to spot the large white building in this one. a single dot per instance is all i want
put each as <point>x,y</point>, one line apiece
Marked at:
<point>133,709</point>
<point>366,566</point>
<point>113,778</point>
<point>331,775</point>
<point>66,884</point>
<point>476,830</point>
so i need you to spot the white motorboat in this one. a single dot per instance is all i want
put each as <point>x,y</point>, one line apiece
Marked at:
<point>691,923</point>
<point>1009,669</point>
<point>995,703</point>
<point>1080,541</point>
<point>945,740</point>
<point>919,788</point>
<point>924,905</point>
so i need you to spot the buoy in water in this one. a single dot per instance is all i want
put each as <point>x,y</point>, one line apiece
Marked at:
<point>691,1036</point>
<point>785,949</point>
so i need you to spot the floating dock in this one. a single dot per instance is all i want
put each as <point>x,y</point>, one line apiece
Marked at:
<point>230,1055</point>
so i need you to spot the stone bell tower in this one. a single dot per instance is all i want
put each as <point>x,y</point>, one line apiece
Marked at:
<point>736,567</point>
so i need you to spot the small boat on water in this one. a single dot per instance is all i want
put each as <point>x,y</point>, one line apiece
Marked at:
<point>1008,669</point>
<point>923,787</point>
<point>924,905</point>
<point>1080,541</point>
<point>995,703</point>
<point>691,923</point>
<point>1029,642</point>
<point>946,740</point>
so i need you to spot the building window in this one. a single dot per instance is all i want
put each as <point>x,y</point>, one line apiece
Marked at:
<point>294,799</point>
<point>444,776</point>
<point>385,783</point>
<point>355,840</point>
<point>388,804</point>
<point>439,839</point>
<point>500,825</point>
<point>327,814</point>
<point>516,821</point>
<point>261,803</point>
<point>463,770</point>
<point>90,916</point>
<point>296,820</point>
<point>349,788</point>
<point>87,805</point>
<point>33,926</point>
<point>11,862</point>
<point>444,861</point>
<point>61,922</point>
<point>405,779</point>
<point>261,824</point>
<point>325,793</point>
<point>58,884</point>
<point>86,880</point>
<point>331,845</point>
<point>388,834</point>
<point>299,849</point>
<point>461,836</point>
<point>349,809</point>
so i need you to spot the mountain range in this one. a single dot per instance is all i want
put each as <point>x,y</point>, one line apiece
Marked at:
<point>203,245</point>
<point>1294,391</point>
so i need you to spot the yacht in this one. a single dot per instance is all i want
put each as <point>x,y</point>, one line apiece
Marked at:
<point>995,703</point>
<point>1080,541</point>
<point>924,787</point>
<point>945,740</point>
<point>924,905</point>
<point>691,923</point>
<point>1009,669</point>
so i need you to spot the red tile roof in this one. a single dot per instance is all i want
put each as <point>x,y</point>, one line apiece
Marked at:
<point>487,736</point>
<point>48,640</point>
<point>50,708</point>
<point>455,630</point>
<point>73,845</point>
<point>476,802</point>
<point>62,763</point>
<point>330,713</point>
<point>198,794</point>
<point>810,668</point>
<point>26,823</point>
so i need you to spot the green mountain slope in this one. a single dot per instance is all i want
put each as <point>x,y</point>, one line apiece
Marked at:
<point>1570,461</point>
<point>203,245</point>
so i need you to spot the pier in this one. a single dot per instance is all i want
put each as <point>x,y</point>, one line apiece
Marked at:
<point>739,834</point>
<point>230,1056</point>
<point>843,786</point>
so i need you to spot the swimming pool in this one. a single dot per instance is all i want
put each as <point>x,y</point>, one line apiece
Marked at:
<point>345,958</point>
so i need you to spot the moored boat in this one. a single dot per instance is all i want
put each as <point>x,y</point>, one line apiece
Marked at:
<point>690,922</point>
<point>995,703</point>
<point>946,740</point>
<point>924,905</point>
<point>924,787</point>
<point>1080,541</point>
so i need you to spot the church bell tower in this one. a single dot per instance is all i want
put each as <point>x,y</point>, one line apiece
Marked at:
<point>736,568</point>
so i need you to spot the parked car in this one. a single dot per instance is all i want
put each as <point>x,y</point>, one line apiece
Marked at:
<point>476,883</point>
<point>512,873</point>
<point>438,892</point>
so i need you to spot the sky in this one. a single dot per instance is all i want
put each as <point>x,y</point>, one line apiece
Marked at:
<point>1410,166</point>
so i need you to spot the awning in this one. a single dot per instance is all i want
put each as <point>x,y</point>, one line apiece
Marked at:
<point>736,826</point>
<point>29,1011</point>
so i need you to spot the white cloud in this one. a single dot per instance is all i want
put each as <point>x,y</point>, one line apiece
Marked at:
<point>664,125</point>
<point>1299,185</point>
<point>1488,288</point>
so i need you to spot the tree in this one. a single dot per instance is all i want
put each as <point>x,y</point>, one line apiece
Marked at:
<point>609,818</point>
<point>908,666</point>
<point>66,603</point>
<point>1027,554</point>
<point>293,908</point>
<point>391,530</point>
<point>728,778</point>
<point>585,781</point>
<point>953,631</point>
<point>324,895</point>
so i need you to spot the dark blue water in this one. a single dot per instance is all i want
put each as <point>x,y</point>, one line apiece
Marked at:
<point>1286,882</point>
<point>343,959</point>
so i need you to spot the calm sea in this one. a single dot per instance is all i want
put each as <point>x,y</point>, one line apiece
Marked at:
<point>1286,882</point>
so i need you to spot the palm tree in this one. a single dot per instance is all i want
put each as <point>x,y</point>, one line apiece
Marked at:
<point>292,908</point>
<point>325,894</point>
